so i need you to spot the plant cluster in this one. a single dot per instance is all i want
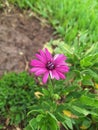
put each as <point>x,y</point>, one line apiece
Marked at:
<point>71,103</point>
<point>16,95</point>
<point>66,106</point>
<point>82,58</point>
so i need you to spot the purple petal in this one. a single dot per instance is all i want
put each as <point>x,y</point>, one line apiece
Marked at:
<point>40,71</point>
<point>34,69</point>
<point>62,68</point>
<point>48,54</point>
<point>42,59</point>
<point>59,58</point>
<point>43,55</point>
<point>45,77</point>
<point>55,74</point>
<point>37,63</point>
<point>51,74</point>
<point>61,75</point>
<point>63,63</point>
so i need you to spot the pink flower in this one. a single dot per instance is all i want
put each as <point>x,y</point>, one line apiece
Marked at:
<point>47,65</point>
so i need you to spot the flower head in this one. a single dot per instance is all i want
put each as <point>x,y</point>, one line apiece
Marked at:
<point>46,65</point>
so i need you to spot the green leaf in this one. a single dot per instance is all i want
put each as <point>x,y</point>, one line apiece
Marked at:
<point>65,126</point>
<point>53,123</point>
<point>66,48</point>
<point>91,49</point>
<point>40,117</point>
<point>89,101</point>
<point>28,128</point>
<point>86,124</point>
<point>92,73</point>
<point>95,117</point>
<point>68,122</point>
<point>52,116</point>
<point>87,61</point>
<point>45,92</point>
<point>81,110</point>
<point>35,109</point>
<point>87,80</point>
<point>33,124</point>
<point>44,127</point>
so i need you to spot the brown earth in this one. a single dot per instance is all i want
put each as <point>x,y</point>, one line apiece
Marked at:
<point>21,36</point>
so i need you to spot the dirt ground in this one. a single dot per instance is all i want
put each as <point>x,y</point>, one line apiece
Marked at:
<point>21,36</point>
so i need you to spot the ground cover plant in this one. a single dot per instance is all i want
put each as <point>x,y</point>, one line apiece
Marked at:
<point>16,95</point>
<point>66,96</point>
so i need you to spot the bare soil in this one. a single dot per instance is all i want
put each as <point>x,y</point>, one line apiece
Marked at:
<point>21,36</point>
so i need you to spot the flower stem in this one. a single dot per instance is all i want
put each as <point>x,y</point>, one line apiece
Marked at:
<point>51,87</point>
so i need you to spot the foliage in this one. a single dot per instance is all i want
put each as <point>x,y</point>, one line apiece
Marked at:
<point>55,104</point>
<point>69,18</point>
<point>16,95</point>
<point>23,4</point>
<point>72,103</point>
<point>69,106</point>
<point>82,58</point>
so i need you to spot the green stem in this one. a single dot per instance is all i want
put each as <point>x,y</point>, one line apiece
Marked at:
<point>51,87</point>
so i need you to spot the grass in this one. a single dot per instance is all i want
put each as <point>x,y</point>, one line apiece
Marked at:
<point>69,18</point>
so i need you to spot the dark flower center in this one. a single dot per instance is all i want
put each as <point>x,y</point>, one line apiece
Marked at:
<point>50,65</point>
